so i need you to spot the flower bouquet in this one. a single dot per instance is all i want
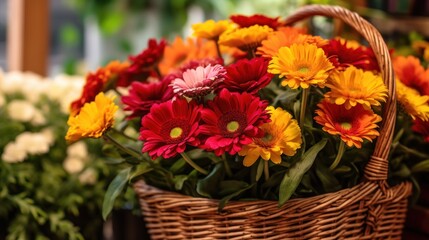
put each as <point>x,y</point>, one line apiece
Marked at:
<point>253,129</point>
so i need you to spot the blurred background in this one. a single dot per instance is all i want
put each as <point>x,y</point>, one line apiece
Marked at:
<point>84,34</point>
<point>52,37</point>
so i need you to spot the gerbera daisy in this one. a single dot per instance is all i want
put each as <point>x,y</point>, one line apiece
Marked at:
<point>211,29</point>
<point>232,120</point>
<point>181,52</point>
<point>142,96</point>
<point>246,39</point>
<point>101,80</point>
<point>144,63</point>
<point>169,127</point>
<point>301,65</point>
<point>93,120</point>
<point>285,37</point>
<point>352,125</point>
<point>343,56</point>
<point>414,104</point>
<point>355,86</point>
<point>422,128</point>
<point>256,19</point>
<point>247,76</point>
<point>199,82</point>
<point>281,136</point>
<point>410,72</point>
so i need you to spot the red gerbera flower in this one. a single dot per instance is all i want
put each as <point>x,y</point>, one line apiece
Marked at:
<point>342,56</point>
<point>232,120</point>
<point>422,127</point>
<point>256,19</point>
<point>142,96</point>
<point>143,65</point>
<point>247,76</point>
<point>169,127</point>
<point>98,81</point>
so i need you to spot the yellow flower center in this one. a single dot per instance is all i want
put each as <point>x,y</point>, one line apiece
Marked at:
<point>176,132</point>
<point>232,126</point>
<point>267,137</point>
<point>303,69</point>
<point>346,125</point>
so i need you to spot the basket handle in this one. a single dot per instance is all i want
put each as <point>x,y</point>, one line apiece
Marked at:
<point>377,167</point>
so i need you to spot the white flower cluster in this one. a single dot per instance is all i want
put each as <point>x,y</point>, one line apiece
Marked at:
<point>62,88</point>
<point>77,157</point>
<point>28,143</point>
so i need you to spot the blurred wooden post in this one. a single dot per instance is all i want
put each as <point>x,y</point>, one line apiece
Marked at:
<point>28,35</point>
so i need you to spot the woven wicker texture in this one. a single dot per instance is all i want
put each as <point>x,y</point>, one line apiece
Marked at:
<point>370,210</point>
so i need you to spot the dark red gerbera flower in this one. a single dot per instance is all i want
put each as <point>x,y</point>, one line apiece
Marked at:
<point>247,76</point>
<point>143,65</point>
<point>373,64</point>
<point>232,120</point>
<point>169,127</point>
<point>421,127</point>
<point>143,95</point>
<point>256,19</point>
<point>342,56</point>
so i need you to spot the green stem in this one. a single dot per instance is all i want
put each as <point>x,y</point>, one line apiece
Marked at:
<point>193,164</point>
<point>266,170</point>
<point>226,164</point>
<point>412,151</point>
<point>304,98</point>
<point>341,150</point>
<point>218,48</point>
<point>123,134</point>
<point>133,153</point>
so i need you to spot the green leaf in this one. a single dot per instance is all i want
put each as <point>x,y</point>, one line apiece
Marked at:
<point>226,199</point>
<point>179,180</point>
<point>260,169</point>
<point>422,166</point>
<point>114,189</point>
<point>326,177</point>
<point>208,186</point>
<point>293,176</point>
<point>140,169</point>
<point>178,165</point>
<point>231,186</point>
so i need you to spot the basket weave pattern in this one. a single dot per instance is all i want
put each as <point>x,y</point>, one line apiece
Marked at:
<point>370,210</point>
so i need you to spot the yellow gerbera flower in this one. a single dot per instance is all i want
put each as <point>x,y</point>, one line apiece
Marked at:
<point>416,105</point>
<point>282,136</point>
<point>211,29</point>
<point>248,38</point>
<point>301,65</point>
<point>355,86</point>
<point>93,119</point>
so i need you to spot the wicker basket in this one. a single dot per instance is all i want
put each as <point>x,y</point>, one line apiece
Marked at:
<point>370,210</point>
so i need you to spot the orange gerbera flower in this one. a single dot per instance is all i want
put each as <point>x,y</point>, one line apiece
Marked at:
<point>355,86</point>
<point>301,65</point>
<point>352,125</point>
<point>410,71</point>
<point>245,39</point>
<point>414,104</point>
<point>181,52</point>
<point>285,37</point>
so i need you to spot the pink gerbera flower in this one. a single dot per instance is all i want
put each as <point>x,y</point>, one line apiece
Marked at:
<point>247,76</point>
<point>200,81</point>
<point>170,127</point>
<point>232,120</point>
<point>143,95</point>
